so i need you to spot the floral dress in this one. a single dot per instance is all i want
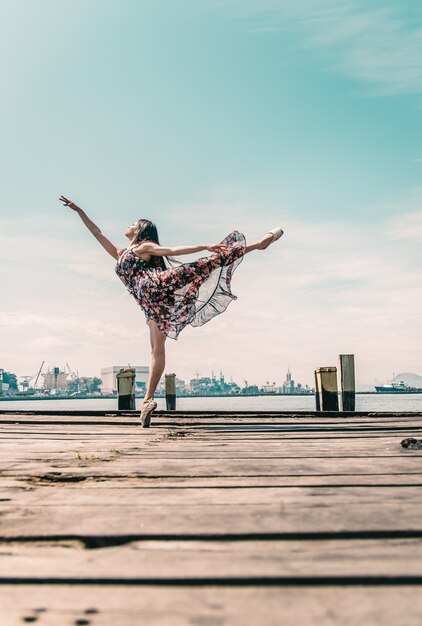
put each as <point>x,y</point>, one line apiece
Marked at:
<point>190,293</point>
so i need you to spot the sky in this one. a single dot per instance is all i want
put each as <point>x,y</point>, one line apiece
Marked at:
<point>207,117</point>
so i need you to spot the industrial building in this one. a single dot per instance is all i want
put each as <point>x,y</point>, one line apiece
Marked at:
<point>55,380</point>
<point>109,380</point>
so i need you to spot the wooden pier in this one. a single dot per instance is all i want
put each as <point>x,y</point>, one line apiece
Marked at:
<point>210,519</point>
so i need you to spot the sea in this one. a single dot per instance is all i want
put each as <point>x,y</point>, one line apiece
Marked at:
<point>364,402</point>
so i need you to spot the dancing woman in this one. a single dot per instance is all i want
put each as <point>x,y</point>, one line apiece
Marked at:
<point>173,296</point>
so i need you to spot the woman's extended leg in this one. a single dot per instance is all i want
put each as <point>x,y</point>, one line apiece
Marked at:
<point>198,271</point>
<point>258,245</point>
<point>158,359</point>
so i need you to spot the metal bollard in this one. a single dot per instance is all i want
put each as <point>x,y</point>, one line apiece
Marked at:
<point>171,392</point>
<point>126,389</point>
<point>347,369</point>
<point>327,388</point>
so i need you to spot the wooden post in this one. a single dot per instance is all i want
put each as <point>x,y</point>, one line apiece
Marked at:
<point>171,392</point>
<point>327,387</point>
<point>317,400</point>
<point>347,368</point>
<point>126,389</point>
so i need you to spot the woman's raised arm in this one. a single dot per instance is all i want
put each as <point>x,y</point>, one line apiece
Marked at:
<point>93,228</point>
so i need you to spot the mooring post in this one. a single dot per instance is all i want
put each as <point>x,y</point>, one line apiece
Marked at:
<point>126,389</point>
<point>171,392</point>
<point>317,400</point>
<point>327,387</point>
<point>347,369</point>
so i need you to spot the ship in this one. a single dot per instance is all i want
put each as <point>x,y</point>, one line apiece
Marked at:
<point>397,387</point>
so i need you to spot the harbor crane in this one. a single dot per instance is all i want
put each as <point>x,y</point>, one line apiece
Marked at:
<point>25,380</point>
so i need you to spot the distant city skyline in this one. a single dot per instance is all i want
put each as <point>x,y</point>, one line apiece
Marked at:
<point>47,370</point>
<point>209,117</point>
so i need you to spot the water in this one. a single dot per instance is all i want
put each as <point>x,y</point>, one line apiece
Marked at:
<point>364,402</point>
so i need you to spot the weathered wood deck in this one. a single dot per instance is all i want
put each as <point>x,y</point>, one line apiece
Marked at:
<point>210,519</point>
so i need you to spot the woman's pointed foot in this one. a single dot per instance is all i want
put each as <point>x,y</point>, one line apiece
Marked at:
<point>271,236</point>
<point>148,406</point>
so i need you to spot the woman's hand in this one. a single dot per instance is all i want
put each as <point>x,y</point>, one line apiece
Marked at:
<point>106,243</point>
<point>69,203</point>
<point>217,247</point>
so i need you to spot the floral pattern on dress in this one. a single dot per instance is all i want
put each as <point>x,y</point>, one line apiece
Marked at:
<point>190,293</point>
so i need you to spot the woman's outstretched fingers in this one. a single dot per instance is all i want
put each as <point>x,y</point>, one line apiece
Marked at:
<point>69,203</point>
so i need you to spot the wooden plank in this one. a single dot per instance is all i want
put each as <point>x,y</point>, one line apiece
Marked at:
<point>208,429</point>
<point>120,447</point>
<point>12,485</point>
<point>296,510</point>
<point>175,418</point>
<point>215,436</point>
<point>215,559</point>
<point>32,450</point>
<point>164,467</point>
<point>102,496</point>
<point>226,414</point>
<point>210,605</point>
<point>210,438</point>
<point>30,436</point>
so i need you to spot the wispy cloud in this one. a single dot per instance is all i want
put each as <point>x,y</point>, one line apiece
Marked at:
<point>35,241</point>
<point>379,45</point>
<point>405,228</point>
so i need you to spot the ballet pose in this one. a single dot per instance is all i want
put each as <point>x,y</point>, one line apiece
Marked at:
<point>173,295</point>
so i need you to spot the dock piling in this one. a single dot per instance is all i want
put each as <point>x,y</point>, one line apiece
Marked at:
<point>171,392</point>
<point>347,369</point>
<point>317,399</point>
<point>326,388</point>
<point>126,389</point>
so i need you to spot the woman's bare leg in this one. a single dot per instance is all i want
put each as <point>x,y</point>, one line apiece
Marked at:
<point>261,243</point>
<point>158,359</point>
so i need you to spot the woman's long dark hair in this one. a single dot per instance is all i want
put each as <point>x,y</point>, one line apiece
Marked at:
<point>147,231</point>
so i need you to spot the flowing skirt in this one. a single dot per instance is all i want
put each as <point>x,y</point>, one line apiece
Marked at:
<point>191,293</point>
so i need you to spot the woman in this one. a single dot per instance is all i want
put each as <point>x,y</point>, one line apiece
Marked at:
<point>173,296</point>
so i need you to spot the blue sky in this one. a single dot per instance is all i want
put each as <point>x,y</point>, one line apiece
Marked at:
<point>207,117</point>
